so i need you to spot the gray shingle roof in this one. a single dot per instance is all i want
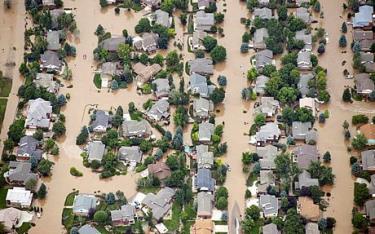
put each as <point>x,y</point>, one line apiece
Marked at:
<point>53,39</point>
<point>198,84</point>
<point>205,131</point>
<point>205,159</point>
<point>263,58</point>
<point>202,107</point>
<point>270,229</point>
<point>268,106</point>
<point>205,204</point>
<point>363,83</point>
<point>305,155</point>
<point>204,180</point>
<point>96,150</point>
<point>259,38</point>
<point>133,128</point>
<point>269,205</point>
<point>303,83</point>
<point>160,203</point>
<point>204,21</point>
<point>112,44</point>
<point>83,203</point>
<point>304,60</point>
<point>364,17</point>
<point>305,37</point>
<point>101,122</point>
<point>50,60</point>
<point>162,18</point>
<point>162,87</point>
<point>130,153</point>
<point>202,66</point>
<point>46,81</point>
<point>300,129</point>
<point>197,39</point>
<point>370,209</point>
<point>88,229</point>
<point>38,113</point>
<point>305,180</point>
<point>368,160</point>
<point>260,84</point>
<point>20,172</point>
<point>125,214</point>
<point>28,146</point>
<point>303,14</point>
<point>268,132</point>
<point>263,13</point>
<point>160,110</point>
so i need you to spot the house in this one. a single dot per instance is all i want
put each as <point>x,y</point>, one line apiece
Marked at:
<point>198,85</point>
<point>308,209</point>
<point>364,84</point>
<point>305,180</point>
<point>162,88</point>
<point>101,122</point>
<point>48,3</point>
<point>311,137</point>
<point>203,21</point>
<point>134,128</point>
<point>202,108</point>
<point>371,187</point>
<point>95,151</point>
<point>267,106</point>
<point>269,132</point>
<point>364,38</point>
<point>130,154</point>
<point>159,203</point>
<point>145,72</point>
<point>124,216</point>
<point>266,179</point>
<point>368,130</point>
<point>263,58</point>
<point>304,60</point>
<point>306,37</point>
<point>310,104</point>
<point>366,57</point>
<point>12,218</point>
<point>19,197</point>
<point>45,80</point>
<point>370,209</point>
<point>300,129</point>
<point>196,41</point>
<point>259,38</point>
<point>88,229</point>
<point>50,61</point>
<point>269,205</point>
<point>303,83</point>
<point>53,40</point>
<point>262,13</point>
<point>312,228</point>
<point>112,44</point>
<point>28,148</point>
<point>148,42</point>
<point>368,160</point>
<point>205,159</point>
<point>267,156</point>
<point>364,17</point>
<point>369,67</point>
<point>303,14</point>
<point>202,226</point>
<point>204,180</point>
<point>260,84</point>
<point>161,17</point>
<point>205,204</point>
<point>159,111</point>
<point>108,70</point>
<point>19,173</point>
<point>203,4</point>
<point>83,203</point>
<point>270,228</point>
<point>201,66</point>
<point>151,3</point>
<point>206,130</point>
<point>39,114</point>
<point>160,170</point>
<point>304,155</point>
<point>55,14</point>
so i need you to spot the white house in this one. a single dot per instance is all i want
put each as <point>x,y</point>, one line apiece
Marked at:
<point>19,197</point>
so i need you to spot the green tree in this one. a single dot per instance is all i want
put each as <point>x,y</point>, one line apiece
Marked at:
<point>282,12</point>
<point>59,129</point>
<point>181,117</point>
<point>317,6</point>
<point>347,96</point>
<point>42,191</point>
<point>342,41</point>
<point>218,95</point>
<point>209,43</point>
<point>359,142</point>
<point>30,184</point>
<point>260,119</point>
<point>103,3</point>
<point>218,54</point>
<point>44,167</point>
<point>124,52</point>
<point>344,28</point>
<point>327,157</point>
<point>321,48</point>
<point>219,17</point>
<point>253,212</point>
<point>100,216</point>
<point>293,223</point>
<point>143,26</point>
<point>16,130</point>
<point>359,221</point>
<point>222,203</point>
<point>287,95</point>
<point>360,119</point>
<point>361,194</point>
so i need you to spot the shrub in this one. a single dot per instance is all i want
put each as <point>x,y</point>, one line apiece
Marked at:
<point>359,119</point>
<point>342,41</point>
<point>75,172</point>
<point>222,80</point>
<point>100,216</point>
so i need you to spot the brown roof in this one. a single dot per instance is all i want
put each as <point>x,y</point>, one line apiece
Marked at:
<point>202,226</point>
<point>144,73</point>
<point>368,130</point>
<point>308,209</point>
<point>160,170</point>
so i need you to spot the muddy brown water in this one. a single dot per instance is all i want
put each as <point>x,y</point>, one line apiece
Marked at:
<point>88,16</point>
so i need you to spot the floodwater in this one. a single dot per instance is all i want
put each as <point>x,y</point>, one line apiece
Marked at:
<point>83,94</point>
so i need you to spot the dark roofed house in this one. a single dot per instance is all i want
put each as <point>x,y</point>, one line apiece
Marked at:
<point>203,4</point>
<point>269,205</point>
<point>112,44</point>
<point>311,137</point>
<point>101,122</point>
<point>159,170</point>
<point>364,38</point>
<point>124,216</point>
<point>368,160</point>
<point>259,38</point>
<point>263,58</point>
<point>303,83</point>
<point>148,42</point>
<point>88,229</point>
<point>130,154</point>
<point>145,72</point>
<point>305,180</point>
<point>55,14</point>
<point>159,111</point>
<point>19,173</point>
<point>262,13</point>
<point>48,3</point>
<point>260,84</point>
<point>159,204</point>
<point>305,155</point>
<point>204,180</point>
<point>304,60</point>
<point>270,229</point>
<point>306,37</point>
<point>151,3</point>
<point>53,40</point>
<point>202,66</point>
<point>134,128</point>
<point>364,18</point>
<point>50,61</point>
<point>162,88</point>
<point>203,21</point>
<point>300,130</point>
<point>370,209</point>
<point>28,148</point>
<point>205,204</point>
<point>198,85</point>
<point>266,179</point>
<point>364,84</point>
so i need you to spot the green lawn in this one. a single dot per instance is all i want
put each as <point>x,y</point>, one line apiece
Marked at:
<point>24,228</point>
<point>98,81</point>
<point>5,86</point>
<point>70,199</point>
<point>67,218</point>
<point>3,106</point>
<point>174,223</point>
<point>3,194</point>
